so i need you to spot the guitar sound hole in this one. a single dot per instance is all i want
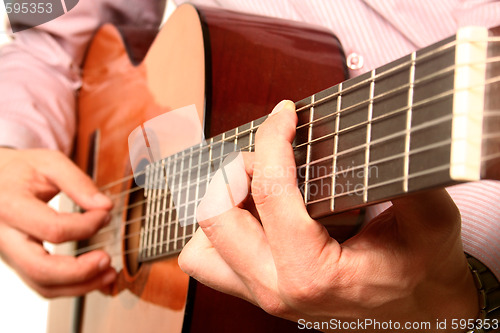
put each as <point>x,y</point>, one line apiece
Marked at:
<point>134,221</point>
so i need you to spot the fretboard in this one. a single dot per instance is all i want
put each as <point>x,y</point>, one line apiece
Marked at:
<point>411,125</point>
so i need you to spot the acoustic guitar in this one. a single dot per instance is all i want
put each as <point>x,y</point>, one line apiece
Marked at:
<point>429,119</point>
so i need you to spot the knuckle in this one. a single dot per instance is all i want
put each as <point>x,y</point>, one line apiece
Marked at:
<point>209,227</point>
<point>185,260</point>
<point>55,154</point>
<point>37,274</point>
<point>260,192</point>
<point>273,305</point>
<point>300,295</point>
<point>55,233</point>
<point>46,292</point>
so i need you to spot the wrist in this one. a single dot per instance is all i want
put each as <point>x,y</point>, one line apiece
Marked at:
<point>447,301</point>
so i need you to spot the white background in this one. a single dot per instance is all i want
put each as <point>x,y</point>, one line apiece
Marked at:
<point>21,310</point>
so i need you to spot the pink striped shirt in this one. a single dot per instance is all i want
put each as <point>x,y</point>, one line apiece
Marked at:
<point>39,72</point>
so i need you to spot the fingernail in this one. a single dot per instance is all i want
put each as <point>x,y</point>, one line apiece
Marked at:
<point>108,278</point>
<point>107,220</point>
<point>104,263</point>
<point>285,104</point>
<point>101,199</point>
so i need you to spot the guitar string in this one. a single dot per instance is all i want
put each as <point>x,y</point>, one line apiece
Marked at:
<point>366,81</point>
<point>344,152</point>
<point>195,226</point>
<point>487,114</point>
<point>344,91</point>
<point>328,136</point>
<point>330,175</point>
<point>343,131</point>
<point>387,115</point>
<point>336,195</point>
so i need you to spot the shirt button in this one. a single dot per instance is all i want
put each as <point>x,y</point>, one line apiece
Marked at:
<point>355,61</point>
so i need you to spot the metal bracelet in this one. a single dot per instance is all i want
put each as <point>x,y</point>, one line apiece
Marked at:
<point>489,297</point>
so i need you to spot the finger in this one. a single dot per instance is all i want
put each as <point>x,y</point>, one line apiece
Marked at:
<point>44,223</point>
<point>277,198</point>
<point>31,260</point>
<point>102,281</point>
<point>239,240</point>
<point>64,174</point>
<point>228,188</point>
<point>200,260</point>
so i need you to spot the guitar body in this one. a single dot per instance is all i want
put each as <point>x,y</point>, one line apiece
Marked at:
<point>234,68</point>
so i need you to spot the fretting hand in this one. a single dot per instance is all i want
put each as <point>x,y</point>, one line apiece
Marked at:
<point>406,265</point>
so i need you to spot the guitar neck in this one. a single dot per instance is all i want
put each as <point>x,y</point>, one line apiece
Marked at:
<point>429,119</point>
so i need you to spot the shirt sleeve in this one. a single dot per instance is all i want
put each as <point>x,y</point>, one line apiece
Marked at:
<point>40,71</point>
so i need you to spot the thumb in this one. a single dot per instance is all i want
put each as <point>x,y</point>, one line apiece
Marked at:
<point>66,176</point>
<point>427,213</point>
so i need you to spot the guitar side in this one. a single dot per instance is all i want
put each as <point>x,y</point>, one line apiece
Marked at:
<point>234,68</point>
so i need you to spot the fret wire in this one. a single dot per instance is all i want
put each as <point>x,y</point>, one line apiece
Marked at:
<point>176,232</point>
<point>209,158</point>
<point>171,221</point>
<point>147,192</point>
<point>162,186</point>
<point>251,136</point>
<point>151,226</point>
<point>165,167</point>
<point>142,229</point>
<point>236,139</point>
<point>197,194</point>
<point>148,208</point>
<point>308,154</point>
<point>156,189</point>
<point>336,145</point>
<point>149,222</point>
<point>153,207</point>
<point>186,224</point>
<point>409,114</point>
<point>368,137</point>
